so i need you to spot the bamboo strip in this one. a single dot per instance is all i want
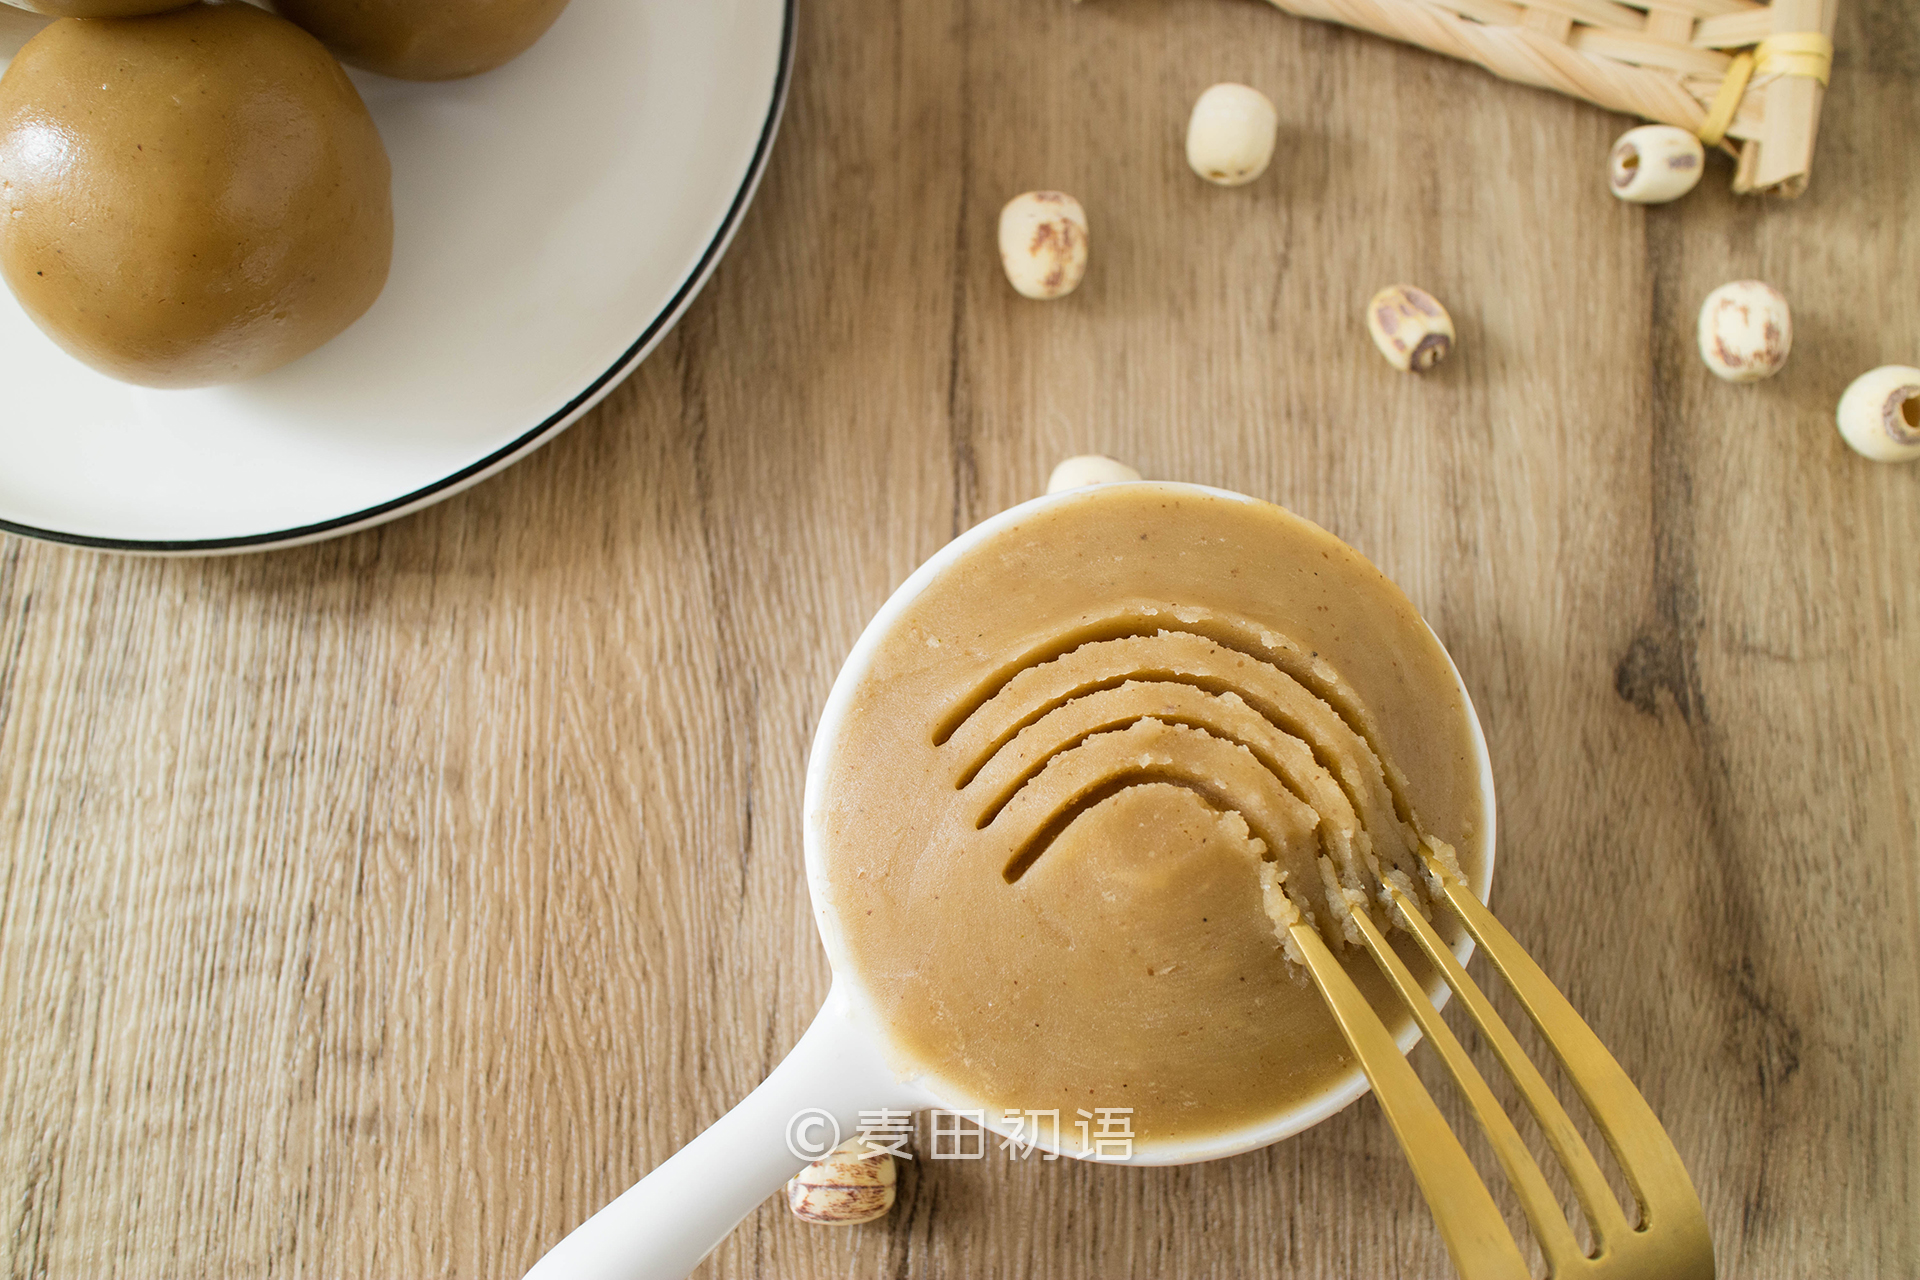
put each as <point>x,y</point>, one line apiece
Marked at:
<point>1782,156</point>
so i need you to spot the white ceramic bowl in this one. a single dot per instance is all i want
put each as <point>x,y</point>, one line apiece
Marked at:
<point>552,219</point>
<point>664,1226</point>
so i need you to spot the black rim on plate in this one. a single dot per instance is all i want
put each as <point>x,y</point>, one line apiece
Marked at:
<point>526,442</point>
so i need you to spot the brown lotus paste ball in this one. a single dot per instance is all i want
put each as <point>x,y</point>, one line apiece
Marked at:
<point>97,8</point>
<point>425,39</point>
<point>190,198</point>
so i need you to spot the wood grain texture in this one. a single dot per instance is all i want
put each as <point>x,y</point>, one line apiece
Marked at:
<point>383,907</point>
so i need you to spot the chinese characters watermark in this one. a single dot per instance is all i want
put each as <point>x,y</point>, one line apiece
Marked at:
<point>887,1131</point>
<point>1104,1133</point>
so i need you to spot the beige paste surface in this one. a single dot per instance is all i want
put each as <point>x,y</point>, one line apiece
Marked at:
<point>1046,818</point>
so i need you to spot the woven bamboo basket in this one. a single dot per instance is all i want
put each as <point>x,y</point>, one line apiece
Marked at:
<point>1746,76</point>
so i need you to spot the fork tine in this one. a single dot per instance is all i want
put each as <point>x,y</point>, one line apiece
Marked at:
<point>1537,1199</point>
<point>1646,1155</point>
<point>1476,1236</point>
<point>1589,1183</point>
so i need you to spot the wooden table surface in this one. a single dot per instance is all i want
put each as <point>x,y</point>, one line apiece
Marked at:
<point>382,907</point>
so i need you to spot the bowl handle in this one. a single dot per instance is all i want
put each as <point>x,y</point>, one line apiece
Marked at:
<point>662,1227</point>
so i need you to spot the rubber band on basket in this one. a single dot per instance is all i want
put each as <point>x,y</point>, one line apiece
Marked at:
<point>1800,53</point>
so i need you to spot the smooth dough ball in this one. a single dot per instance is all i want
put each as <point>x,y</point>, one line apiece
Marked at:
<point>425,39</point>
<point>191,198</point>
<point>97,8</point>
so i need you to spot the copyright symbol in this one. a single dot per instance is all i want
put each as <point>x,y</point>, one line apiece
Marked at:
<point>812,1133</point>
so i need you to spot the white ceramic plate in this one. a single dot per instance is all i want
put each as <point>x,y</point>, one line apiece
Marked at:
<point>552,219</point>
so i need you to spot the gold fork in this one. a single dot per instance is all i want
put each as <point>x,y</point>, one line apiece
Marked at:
<point>1669,1242</point>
